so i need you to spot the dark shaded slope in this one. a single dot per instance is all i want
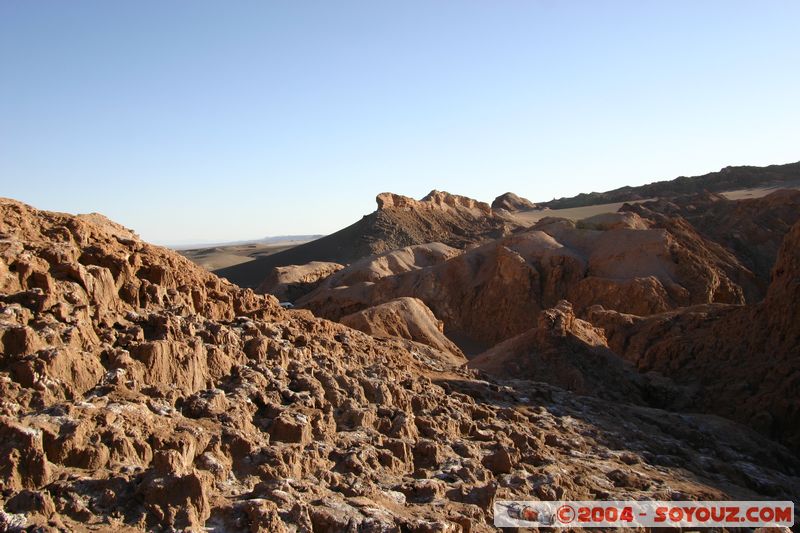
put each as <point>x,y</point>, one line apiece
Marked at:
<point>344,246</point>
<point>398,222</point>
<point>742,361</point>
<point>751,229</point>
<point>727,179</point>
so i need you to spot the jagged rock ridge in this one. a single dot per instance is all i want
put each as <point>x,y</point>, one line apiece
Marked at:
<point>621,261</point>
<point>743,361</point>
<point>399,222</point>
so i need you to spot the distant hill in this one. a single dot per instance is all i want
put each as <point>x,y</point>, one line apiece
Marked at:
<point>290,238</point>
<point>399,221</point>
<point>727,179</point>
<point>279,239</point>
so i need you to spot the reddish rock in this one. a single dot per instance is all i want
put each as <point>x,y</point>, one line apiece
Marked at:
<point>624,264</point>
<point>407,318</point>
<point>511,202</point>
<point>190,403</point>
<point>288,283</point>
<point>741,360</point>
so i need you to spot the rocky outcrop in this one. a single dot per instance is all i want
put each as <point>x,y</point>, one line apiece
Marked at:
<point>407,318</point>
<point>399,222</point>
<point>750,230</point>
<point>288,283</point>
<point>373,268</point>
<point>741,361</point>
<point>439,200</point>
<point>511,202</point>
<point>619,261</point>
<point>565,351</point>
<point>139,393</point>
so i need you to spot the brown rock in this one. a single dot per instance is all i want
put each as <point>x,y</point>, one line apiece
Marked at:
<point>568,352</point>
<point>511,202</point>
<point>736,358</point>
<point>178,501</point>
<point>290,428</point>
<point>23,464</point>
<point>288,283</point>
<point>407,318</point>
<point>399,222</point>
<point>623,264</point>
<point>262,516</point>
<point>190,403</point>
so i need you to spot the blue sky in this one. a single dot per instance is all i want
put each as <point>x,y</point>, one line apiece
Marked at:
<point>211,121</point>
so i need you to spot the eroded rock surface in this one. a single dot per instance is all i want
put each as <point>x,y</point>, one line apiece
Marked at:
<point>288,283</point>
<point>568,352</point>
<point>387,264</point>
<point>495,291</point>
<point>407,318</point>
<point>511,202</point>
<point>742,360</point>
<point>139,393</point>
<point>439,200</point>
<point>751,230</point>
<point>399,222</point>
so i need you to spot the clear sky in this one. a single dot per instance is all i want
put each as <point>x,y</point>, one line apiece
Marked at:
<point>196,121</point>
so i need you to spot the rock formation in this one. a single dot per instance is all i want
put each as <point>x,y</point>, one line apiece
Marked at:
<point>751,230</point>
<point>620,261</point>
<point>288,283</point>
<point>387,264</point>
<point>435,200</point>
<point>407,318</point>
<point>741,360</point>
<point>565,351</point>
<point>139,392</point>
<point>456,221</point>
<point>727,179</point>
<point>511,202</point>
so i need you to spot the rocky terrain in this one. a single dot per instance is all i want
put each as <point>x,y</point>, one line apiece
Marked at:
<point>566,351</point>
<point>673,286</point>
<point>399,221</point>
<point>742,360</point>
<point>751,229</point>
<point>289,283</point>
<point>727,179</point>
<point>511,202</point>
<point>620,261</point>
<point>140,392</point>
<point>387,264</point>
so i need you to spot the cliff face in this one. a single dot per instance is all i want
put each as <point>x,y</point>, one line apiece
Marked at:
<point>434,201</point>
<point>139,392</point>
<point>742,361</point>
<point>781,309</point>
<point>751,230</point>
<point>495,291</point>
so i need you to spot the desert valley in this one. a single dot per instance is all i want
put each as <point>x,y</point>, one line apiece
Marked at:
<point>407,371</point>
